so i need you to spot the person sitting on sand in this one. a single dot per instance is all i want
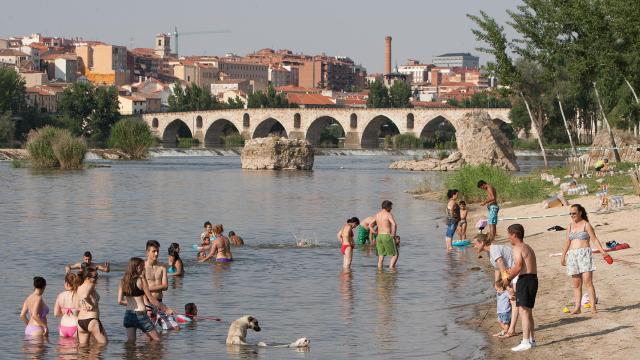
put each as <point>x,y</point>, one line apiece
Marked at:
<point>235,239</point>
<point>345,235</point>
<point>462,224</point>
<point>503,307</point>
<point>578,257</point>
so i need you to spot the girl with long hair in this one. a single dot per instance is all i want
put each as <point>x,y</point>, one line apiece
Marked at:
<point>67,306</point>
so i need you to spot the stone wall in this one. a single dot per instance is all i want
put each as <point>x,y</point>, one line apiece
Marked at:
<point>273,153</point>
<point>628,144</point>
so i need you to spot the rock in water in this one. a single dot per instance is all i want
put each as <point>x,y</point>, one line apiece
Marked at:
<point>453,162</point>
<point>274,153</point>
<point>481,142</point>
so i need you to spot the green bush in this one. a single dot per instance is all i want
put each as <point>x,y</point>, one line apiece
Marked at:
<point>51,147</point>
<point>406,141</point>
<point>7,128</point>
<point>233,140</point>
<point>509,187</point>
<point>187,142</point>
<point>69,150</point>
<point>131,136</point>
<point>443,154</point>
<point>40,147</point>
<point>388,142</point>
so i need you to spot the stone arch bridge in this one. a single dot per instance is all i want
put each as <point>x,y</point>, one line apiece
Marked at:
<point>362,127</point>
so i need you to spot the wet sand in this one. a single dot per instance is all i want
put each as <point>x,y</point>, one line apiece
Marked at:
<point>612,333</point>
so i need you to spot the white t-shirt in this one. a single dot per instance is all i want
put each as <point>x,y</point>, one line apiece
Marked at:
<point>501,251</point>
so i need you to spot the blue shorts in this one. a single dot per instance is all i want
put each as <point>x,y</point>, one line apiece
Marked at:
<point>492,217</point>
<point>139,320</point>
<point>451,229</point>
<point>505,318</point>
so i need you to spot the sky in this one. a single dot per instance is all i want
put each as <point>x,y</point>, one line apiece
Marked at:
<point>420,29</point>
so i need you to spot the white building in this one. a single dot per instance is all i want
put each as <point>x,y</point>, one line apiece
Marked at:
<point>419,73</point>
<point>465,60</point>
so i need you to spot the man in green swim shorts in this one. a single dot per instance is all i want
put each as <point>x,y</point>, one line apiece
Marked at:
<point>386,244</point>
<point>364,232</point>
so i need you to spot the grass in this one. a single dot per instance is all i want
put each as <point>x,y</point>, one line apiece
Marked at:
<point>51,147</point>
<point>69,151</point>
<point>510,188</point>
<point>17,163</point>
<point>426,185</point>
<point>233,140</point>
<point>131,136</point>
<point>187,142</point>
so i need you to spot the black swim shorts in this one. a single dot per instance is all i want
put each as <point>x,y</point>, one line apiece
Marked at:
<point>526,290</point>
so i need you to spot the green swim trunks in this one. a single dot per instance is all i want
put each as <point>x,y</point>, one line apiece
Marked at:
<point>363,235</point>
<point>386,245</point>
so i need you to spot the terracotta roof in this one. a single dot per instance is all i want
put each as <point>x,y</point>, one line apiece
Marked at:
<point>309,99</point>
<point>296,89</point>
<point>459,84</point>
<point>355,101</point>
<point>430,104</point>
<point>11,52</point>
<point>143,51</point>
<point>49,56</point>
<point>39,46</point>
<point>44,90</point>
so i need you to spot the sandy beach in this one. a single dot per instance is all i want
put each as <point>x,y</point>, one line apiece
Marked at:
<point>612,333</point>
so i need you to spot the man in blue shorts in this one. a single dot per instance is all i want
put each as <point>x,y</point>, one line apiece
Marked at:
<point>492,206</point>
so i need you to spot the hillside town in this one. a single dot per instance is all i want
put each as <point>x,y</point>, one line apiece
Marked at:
<point>145,78</point>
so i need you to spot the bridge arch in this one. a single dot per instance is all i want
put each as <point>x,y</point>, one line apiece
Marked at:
<point>176,128</point>
<point>325,130</point>
<point>379,127</point>
<point>438,130</point>
<point>269,126</point>
<point>217,130</point>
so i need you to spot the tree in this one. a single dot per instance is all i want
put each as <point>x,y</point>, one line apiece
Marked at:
<point>12,91</point>
<point>399,95</point>
<point>270,99</point>
<point>192,98</point>
<point>378,95</point>
<point>235,103</point>
<point>76,106</point>
<point>7,128</point>
<point>105,114</point>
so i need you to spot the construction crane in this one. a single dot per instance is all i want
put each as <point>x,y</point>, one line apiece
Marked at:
<point>176,34</point>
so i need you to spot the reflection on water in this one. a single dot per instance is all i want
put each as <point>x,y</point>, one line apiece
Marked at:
<point>50,218</point>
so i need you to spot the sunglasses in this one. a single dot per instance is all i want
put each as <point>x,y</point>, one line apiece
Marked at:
<point>573,213</point>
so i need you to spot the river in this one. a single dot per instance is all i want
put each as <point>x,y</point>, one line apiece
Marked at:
<point>48,219</point>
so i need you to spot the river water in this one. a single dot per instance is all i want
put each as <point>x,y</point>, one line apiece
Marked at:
<point>48,219</point>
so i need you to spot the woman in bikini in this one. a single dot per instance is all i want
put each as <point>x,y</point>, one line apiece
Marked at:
<point>220,247</point>
<point>453,217</point>
<point>34,304</point>
<point>345,235</point>
<point>578,258</point>
<point>131,293</point>
<point>175,266</point>
<point>89,316</point>
<point>67,306</point>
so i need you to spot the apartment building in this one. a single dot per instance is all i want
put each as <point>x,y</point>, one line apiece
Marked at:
<point>450,60</point>
<point>103,63</point>
<point>200,74</point>
<point>417,72</point>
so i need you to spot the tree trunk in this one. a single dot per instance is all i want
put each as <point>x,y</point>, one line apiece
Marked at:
<point>632,90</point>
<point>612,139</point>
<point>566,126</point>
<point>537,132</point>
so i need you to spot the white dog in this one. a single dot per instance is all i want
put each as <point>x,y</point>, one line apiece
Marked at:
<point>300,343</point>
<point>238,330</point>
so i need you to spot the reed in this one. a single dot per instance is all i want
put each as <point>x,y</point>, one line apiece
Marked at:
<point>131,136</point>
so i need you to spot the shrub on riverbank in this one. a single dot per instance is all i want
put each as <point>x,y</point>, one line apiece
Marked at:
<point>51,147</point>
<point>131,136</point>
<point>512,188</point>
<point>406,141</point>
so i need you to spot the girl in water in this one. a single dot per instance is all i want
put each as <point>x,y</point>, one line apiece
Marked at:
<point>175,268</point>
<point>453,217</point>
<point>89,323</point>
<point>462,224</point>
<point>345,235</point>
<point>220,247</point>
<point>131,293</point>
<point>68,306</point>
<point>37,309</point>
<point>578,258</point>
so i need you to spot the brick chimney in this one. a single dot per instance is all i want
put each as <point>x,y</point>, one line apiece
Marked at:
<point>387,55</point>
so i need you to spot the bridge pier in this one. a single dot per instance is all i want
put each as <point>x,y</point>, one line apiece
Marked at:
<point>298,135</point>
<point>199,135</point>
<point>352,140</point>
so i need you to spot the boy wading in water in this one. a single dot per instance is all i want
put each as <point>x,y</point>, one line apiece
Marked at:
<point>527,285</point>
<point>492,206</point>
<point>386,240</point>
<point>345,235</point>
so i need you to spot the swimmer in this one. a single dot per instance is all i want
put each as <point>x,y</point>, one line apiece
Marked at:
<point>89,323</point>
<point>204,247</point>
<point>67,306</point>
<point>365,232</point>
<point>386,241</point>
<point>345,235</point>
<point>208,230</point>
<point>155,273</point>
<point>235,239</point>
<point>37,309</point>
<point>190,314</point>
<point>175,266</point>
<point>220,247</point>
<point>132,292</point>
<point>88,260</point>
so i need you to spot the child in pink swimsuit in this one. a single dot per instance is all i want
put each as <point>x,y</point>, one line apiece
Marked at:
<point>67,306</point>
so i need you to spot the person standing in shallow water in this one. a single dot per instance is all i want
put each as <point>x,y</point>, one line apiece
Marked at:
<point>453,217</point>
<point>386,240</point>
<point>492,207</point>
<point>345,235</point>
<point>36,324</point>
